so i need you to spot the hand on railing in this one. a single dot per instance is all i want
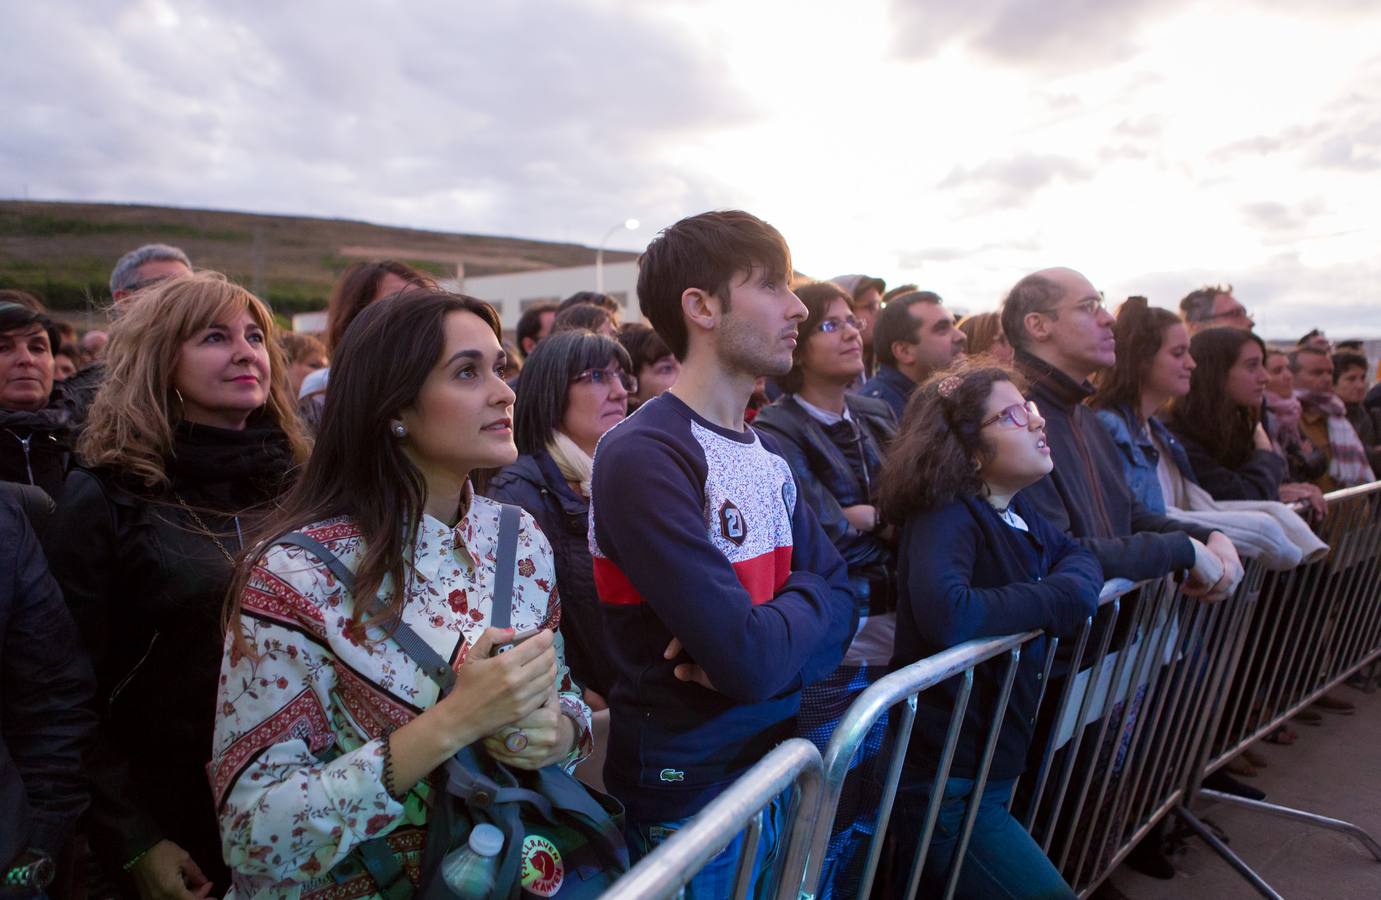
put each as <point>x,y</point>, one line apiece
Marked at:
<point>687,671</point>
<point>1217,569</point>
<point>1307,498</point>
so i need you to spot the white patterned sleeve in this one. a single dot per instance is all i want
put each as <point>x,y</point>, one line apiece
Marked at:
<point>290,804</point>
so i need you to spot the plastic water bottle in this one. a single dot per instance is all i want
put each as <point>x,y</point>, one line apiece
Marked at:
<point>470,870</point>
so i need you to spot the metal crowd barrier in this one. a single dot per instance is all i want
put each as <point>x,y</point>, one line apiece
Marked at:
<point>1156,691</point>
<point>1316,627</point>
<point>794,764</point>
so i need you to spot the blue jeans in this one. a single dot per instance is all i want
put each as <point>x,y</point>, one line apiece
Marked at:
<point>1002,859</point>
<point>716,880</point>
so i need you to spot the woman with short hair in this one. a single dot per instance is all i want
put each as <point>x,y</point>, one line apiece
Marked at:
<point>575,387</point>
<point>35,419</point>
<point>190,441</point>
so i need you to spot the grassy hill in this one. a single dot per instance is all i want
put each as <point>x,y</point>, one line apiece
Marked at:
<point>64,251</point>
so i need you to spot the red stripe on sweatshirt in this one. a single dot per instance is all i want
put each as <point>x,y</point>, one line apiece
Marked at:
<point>762,577</point>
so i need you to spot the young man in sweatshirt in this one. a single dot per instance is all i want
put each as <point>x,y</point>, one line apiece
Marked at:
<point>721,595</point>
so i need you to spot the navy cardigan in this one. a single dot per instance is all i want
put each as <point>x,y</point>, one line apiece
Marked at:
<point>964,573</point>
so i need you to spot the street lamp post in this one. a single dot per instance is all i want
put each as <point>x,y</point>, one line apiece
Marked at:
<point>631,225</point>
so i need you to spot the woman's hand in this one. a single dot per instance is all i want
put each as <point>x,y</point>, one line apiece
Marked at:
<point>1260,439</point>
<point>1293,491</point>
<point>862,517</point>
<point>488,695</point>
<point>166,872</point>
<point>550,736</point>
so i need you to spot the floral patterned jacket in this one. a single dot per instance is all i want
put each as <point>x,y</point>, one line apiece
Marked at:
<point>297,760</point>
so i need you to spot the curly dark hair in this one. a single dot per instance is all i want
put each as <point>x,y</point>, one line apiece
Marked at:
<point>931,461</point>
<point>1139,333</point>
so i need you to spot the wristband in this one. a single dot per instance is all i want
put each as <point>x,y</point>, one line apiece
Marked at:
<point>33,870</point>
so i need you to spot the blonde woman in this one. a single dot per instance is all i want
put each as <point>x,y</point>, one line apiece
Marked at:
<point>189,439</point>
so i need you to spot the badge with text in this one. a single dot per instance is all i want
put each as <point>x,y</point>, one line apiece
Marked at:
<point>543,870</point>
<point>731,523</point>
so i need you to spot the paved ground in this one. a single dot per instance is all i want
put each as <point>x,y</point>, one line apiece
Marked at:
<point>1335,770</point>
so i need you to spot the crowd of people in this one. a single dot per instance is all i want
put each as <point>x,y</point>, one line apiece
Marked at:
<point>224,545</point>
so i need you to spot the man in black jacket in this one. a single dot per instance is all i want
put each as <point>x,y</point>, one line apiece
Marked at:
<point>1056,322</point>
<point>45,717</point>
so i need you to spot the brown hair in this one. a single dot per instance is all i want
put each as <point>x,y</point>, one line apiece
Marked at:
<point>130,426</point>
<point>817,296</point>
<point>358,468</point>
<point>301,347</point>
<point>356,289</point>
<point>707,252</point>
<point>1206,415</point>
<point>580,317</point>
<point>1034,293</point>
<point>644,345</point>
<point>982,330</point>
<point>1140,333</point>
<point>932,460</point>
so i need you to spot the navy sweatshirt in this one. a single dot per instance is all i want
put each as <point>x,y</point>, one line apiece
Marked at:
<point>696,532</point>
<point>965,573</point>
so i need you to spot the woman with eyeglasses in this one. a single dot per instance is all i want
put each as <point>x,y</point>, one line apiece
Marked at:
<point>976,560</point>
<point>834,442</point>
<point>575,387</point>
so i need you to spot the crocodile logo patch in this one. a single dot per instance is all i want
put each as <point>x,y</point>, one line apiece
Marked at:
<point>671,775</point>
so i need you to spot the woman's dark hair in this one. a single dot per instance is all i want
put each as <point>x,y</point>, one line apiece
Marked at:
<point>1348,360</point>
<point>1140,334</point>
<point>356,289</point>
<point>14,316</point>
<point>817,296</point>
<point>643,344</point>
<point>546,381</point>
<point>582,317</point>
<point>589,298</point>
<point>23,298</point>
<point>1206,415</point>
<point>358,468</point>
<point>932,460</point>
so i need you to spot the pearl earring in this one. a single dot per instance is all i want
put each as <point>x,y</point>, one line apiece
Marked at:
<point>400,430</point>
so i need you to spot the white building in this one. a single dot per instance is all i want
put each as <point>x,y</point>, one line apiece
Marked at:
<point>516,291</point>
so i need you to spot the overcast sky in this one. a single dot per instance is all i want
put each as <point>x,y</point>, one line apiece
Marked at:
<point>1155,146</point>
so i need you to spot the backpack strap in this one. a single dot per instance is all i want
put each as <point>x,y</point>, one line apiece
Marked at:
<point>505,565</point>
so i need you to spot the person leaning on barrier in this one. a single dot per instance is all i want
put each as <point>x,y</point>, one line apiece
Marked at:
<point>835,443</point>
<point>1280,414</point>
<point>721,595</point>
<point>977,559</point>
<point>1062,334</point>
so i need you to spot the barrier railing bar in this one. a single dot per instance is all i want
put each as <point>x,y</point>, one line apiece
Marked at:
<point>889,794</point>
<point>932,807</point>
<point>1081,721</point>
<point>674,863</point>
<point>1047,757</point>
<point>1143,622</point>
<point>1299,815</point>
<point>1157,813</point>
<point>1263,624</point>
<point>743,878</point>
<point>981,776</point>
<point>1223,850</point>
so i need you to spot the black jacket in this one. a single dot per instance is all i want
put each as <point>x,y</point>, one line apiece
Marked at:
<point>828,479</point>
<point>45,691</point>
<point>965,573</point>
<point>146,585</point>
<point>1258,478</point>
<point>536,484</point>
<point>890,386</point>
<point>1087,495</point>
<point>36,447</point>
<point>1367,422</point>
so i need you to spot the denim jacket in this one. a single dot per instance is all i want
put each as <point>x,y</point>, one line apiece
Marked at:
<point>1139,455</point>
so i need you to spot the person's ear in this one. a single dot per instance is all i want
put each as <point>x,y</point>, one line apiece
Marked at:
<point>701,308</point>
<point>904,352</point>
<point>1037,325</point>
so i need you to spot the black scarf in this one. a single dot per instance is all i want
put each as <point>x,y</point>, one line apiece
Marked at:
<point>230,470</point>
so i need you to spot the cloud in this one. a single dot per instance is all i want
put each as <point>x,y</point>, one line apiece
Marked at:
<point>1013,179</point>
<point>1063,34</point>
<point>537,118</point>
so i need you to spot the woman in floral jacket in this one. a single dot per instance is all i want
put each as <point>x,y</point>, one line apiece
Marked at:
<point>326,731</point>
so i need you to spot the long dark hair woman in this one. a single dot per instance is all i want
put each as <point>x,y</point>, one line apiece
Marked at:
<point>975,560</point>
<point>1219,421</point>
<point>575,387</point>
<point>326,729</point>
<point>190,439</point>
<point>35,418</point>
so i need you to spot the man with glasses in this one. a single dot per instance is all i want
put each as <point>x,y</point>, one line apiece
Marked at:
<point>915,336</point>
<point>1214,307</point>
<point>1062,334</point>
